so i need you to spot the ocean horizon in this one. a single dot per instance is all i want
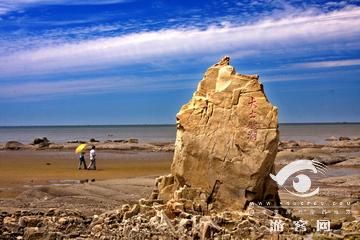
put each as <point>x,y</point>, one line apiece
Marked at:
<point>313,132</point>
<point>161,124</point>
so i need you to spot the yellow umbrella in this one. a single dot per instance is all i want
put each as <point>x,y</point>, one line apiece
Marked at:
<point>80,148</point>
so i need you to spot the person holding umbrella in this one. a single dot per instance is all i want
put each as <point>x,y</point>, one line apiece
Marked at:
<point>82,160</point>
<point>80,149</point>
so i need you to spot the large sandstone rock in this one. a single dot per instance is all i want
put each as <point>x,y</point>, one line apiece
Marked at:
<point>226,142</point>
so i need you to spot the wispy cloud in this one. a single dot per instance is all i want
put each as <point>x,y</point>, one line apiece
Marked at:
<point>177,43</point>
<point>60,87</point>
<point>327,64</point>
<point>333,75</point>
<point>51,89</point>
<point>15,5</point>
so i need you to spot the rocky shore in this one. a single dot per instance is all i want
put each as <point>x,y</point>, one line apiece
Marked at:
<point>131,144</point>
<point>179,218</point>
<point>342,151</point>
<point>221,185</point>
<point>337,151</point>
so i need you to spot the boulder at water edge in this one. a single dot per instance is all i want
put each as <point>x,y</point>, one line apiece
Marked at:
<point>226,142</point>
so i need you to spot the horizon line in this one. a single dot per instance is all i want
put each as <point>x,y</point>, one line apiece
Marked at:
<point>162,124</point>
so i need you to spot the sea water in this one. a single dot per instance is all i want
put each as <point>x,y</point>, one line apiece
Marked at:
<point>162,133</point>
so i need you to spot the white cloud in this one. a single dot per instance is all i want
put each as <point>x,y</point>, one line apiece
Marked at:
<point>327,64</point>
<point>38,90</point>
<point>7,6</point>
<point>337,75</point>
<point>177,43</point>
<point>59,87</point>
<point>3,10</point>
<point>65,2</point>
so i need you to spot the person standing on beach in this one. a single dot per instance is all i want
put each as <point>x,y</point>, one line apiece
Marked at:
<point>82,160</point>
<point>92,164</point>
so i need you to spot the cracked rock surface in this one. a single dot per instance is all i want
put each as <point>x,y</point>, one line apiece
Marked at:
<point>226,141</point>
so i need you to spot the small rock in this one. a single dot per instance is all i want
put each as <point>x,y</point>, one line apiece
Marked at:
<point>40,140</point>
<point>97,228</point>
<point>63,221</point>
<point>134,211</point>
<point>54,236</point>
<point>332,138</point>
<point>50,212</point>
<point>13,145</point>
<point>84,181</point>
<point>133,140</point>
<point>125,207</point>
<point>33,233</point>
<point>185,223</point>
<point>74,235</point>
<point>76,141</point>
<point>27,221</point>
<point>344,138</point>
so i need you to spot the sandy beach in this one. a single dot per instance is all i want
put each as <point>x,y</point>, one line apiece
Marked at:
<point>38,180</point>
<point>29,170</point>
<point>21,170</point>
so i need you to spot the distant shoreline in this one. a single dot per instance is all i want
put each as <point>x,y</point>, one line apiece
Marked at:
<point>313,132</point>
<point>163,125</point>
<point>91,126</point>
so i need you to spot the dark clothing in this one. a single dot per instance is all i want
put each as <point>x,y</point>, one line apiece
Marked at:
<point>82,161</point>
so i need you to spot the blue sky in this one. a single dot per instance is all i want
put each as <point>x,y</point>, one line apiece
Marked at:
<point>135,62</point>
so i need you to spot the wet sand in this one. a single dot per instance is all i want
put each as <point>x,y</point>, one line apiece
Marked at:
<point>21,170</point>
<point>43,179</point>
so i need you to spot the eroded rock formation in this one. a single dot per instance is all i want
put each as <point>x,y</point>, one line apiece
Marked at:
<point>226,142</point>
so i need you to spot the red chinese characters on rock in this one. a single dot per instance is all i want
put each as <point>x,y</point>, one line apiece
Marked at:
<point>252,131</point>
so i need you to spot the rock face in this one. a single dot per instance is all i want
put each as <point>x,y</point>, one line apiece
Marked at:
<point>226,141</point>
